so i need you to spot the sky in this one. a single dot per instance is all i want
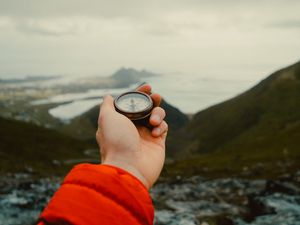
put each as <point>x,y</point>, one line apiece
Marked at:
<point>192,37</point>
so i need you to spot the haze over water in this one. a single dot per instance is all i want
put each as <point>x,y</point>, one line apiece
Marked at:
<point>194,93</point>
<point>190,94</point>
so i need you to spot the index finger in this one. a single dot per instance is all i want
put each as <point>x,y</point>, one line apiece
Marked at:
<point>156,98</point>
<point>146,88</point>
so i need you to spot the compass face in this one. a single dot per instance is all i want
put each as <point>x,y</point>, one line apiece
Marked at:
<point>133,102</point>
<point>135,105</point>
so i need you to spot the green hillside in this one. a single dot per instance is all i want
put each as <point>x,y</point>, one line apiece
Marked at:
<point>257,132</point>
<point>26,147</point>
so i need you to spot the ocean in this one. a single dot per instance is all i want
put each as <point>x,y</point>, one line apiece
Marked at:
<point>188,93</point>
<point>194,93</point>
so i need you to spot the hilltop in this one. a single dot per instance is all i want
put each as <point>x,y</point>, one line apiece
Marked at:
<point>125,77</point>
<point>256,133</point>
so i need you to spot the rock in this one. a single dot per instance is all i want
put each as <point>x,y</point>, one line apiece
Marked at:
<point>281,187</point>
<point>217,220</point>
<point>256,208</point>
<point>24,197</point>
<point>204,223</point>
<point>165,217</point>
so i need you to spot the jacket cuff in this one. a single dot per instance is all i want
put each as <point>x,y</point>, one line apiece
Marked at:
<point>116,184</point>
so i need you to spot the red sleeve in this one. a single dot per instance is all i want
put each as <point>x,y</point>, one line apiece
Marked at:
<point>99,194</point>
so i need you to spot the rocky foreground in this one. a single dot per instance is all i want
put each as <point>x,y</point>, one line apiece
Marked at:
<point>193,201</point>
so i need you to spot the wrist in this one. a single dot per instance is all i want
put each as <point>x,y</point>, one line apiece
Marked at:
<point>130,169</point>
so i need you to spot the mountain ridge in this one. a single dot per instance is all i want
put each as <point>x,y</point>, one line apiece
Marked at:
<point>257,126</point>
<point>248,107</point>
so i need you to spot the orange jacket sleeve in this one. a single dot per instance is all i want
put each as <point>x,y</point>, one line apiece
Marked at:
<point>99,194</point>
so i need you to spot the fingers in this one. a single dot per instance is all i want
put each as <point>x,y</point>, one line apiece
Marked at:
<point>157,116</point>
<point>156,99</point>
<point>160,130</point>
<point>146,88</point>
<point>157,121</point>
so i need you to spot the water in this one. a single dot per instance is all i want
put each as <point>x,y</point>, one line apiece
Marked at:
<point>194,93</point>
<point>188,93</point>
<point>66,112</point>
<point>71,97</point>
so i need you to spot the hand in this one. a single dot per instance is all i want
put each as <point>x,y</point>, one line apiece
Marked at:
<point>138,150</point>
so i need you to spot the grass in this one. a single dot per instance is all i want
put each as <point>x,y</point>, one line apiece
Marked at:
<point>269,164</point>
<point>26,147</point>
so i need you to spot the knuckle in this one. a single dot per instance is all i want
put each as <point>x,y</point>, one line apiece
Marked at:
<point>160,110</point>
<point>166,125</point>
<point>163,112</point>
<point>100,119</point>
<point>98,131</point>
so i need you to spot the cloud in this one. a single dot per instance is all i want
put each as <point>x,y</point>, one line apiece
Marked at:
<point>46,27</point>
<point>93,35</point>
<point>134,9</point>
<point>159,18</point>
<point>286,24</point>
<point>58,8</point>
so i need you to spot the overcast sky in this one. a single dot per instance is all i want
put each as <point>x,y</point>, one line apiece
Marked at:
<point>238,38</point>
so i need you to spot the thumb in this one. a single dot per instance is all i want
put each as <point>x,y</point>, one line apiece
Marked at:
<point>106,108</point>
<point>108,103</point>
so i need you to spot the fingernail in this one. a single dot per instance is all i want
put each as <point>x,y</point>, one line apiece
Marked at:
<point>156,118</point>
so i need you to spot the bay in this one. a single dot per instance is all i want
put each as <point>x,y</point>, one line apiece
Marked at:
<point>189,94</point>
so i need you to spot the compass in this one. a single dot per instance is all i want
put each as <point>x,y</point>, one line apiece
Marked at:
<point>135,105</point>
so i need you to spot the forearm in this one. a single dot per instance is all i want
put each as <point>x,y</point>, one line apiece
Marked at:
<point>95,194</point>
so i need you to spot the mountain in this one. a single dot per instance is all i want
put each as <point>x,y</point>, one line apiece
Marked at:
<point>26,147</point>
<point>125,77</point>
<point>258,130</point>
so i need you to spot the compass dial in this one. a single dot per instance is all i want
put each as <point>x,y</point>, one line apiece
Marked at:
<point>134,104</point>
